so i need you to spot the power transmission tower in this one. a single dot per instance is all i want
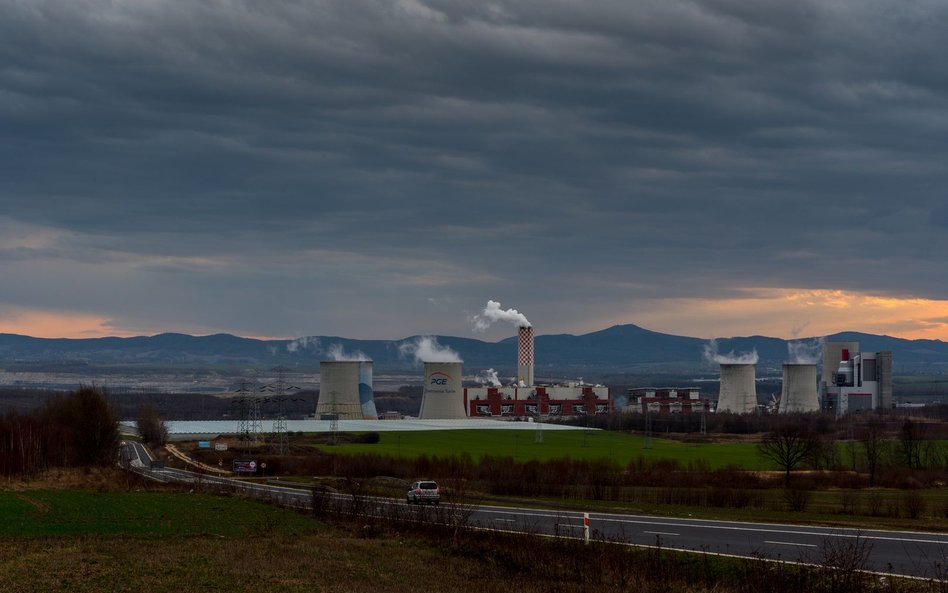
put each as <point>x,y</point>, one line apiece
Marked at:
<point>648,428</point>
<point>280,387</point>
<point>333,419</point>
<point>254,424</point>
<point>243,401</point>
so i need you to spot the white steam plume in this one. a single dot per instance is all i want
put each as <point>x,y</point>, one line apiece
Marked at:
<point>427,349</point>
<point>303,343</point>
<point>492,312</point>
<point>488,377</point>
<point>338,353</point>
<point>805,351</point>
<point>712,355</point>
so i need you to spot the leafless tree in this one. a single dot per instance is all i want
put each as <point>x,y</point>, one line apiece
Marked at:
<point>788,445</point>
<point>151,426</point>
<point>874,446</point>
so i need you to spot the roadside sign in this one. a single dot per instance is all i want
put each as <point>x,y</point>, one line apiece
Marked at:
<point>220,446</point>
<point>245,466</point>
<point>204,444</point>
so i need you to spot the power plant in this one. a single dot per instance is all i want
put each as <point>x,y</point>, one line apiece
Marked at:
<point>854,380</point>
<point>443,396</point>
<point>799,392</point>
<point>738,393</point>
<point>345,390</point>
<point>526,399</point>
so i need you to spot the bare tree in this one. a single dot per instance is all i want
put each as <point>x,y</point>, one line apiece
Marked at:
<point>910,439</point>
<point>874,446</point>
<point>151,426</point>
<point>788,445</point>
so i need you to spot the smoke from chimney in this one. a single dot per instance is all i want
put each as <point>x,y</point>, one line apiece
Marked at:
<point>492,313</point>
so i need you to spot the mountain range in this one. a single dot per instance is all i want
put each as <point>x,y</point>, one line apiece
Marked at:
<point>621,348</point>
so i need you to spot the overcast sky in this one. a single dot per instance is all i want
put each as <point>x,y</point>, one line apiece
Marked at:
<point>382,168</point>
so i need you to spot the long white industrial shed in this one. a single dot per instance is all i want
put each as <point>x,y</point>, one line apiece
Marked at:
<point>177,429</point>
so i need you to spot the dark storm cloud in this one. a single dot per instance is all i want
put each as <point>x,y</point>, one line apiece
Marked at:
<point>368,155</point>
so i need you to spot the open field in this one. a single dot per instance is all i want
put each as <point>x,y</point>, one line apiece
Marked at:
<point>90,542</point>
<point>83,541</point>
<point>45,513</point>
<point>578,444</point>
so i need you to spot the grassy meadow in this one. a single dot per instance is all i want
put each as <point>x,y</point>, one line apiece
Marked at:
<point>575,444</point>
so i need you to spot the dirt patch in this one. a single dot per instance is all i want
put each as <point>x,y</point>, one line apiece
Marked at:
<point>40,506</point>
<point>714,438</point>
<point>97,478</point>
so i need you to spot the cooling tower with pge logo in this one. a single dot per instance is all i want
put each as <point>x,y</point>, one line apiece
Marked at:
<point>443,396</point>
<point>738,392</point>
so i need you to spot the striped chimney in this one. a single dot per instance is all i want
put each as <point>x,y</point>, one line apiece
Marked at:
<point>525,356</point>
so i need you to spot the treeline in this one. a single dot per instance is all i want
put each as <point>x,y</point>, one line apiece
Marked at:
<point>76,429</point>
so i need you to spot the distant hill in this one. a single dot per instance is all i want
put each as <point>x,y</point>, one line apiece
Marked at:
<point>621,348</point>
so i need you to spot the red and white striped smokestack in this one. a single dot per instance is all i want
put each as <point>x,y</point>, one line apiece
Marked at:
<point>525,355</point>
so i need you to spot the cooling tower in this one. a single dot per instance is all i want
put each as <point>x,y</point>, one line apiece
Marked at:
<point>799,389</point>
<point>443,396</point>
<point>525,356</point>
<point>366,393</point>
<point>738,389</point>
<point>832,354</point>
<point>341,389</point>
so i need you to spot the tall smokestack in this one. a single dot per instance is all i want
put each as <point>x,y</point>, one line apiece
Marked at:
<point>525,355</point>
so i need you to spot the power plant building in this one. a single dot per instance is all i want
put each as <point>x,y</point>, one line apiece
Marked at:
<point>666,400</point>
<point>543,400</point>
<point>345,390</point>
<point>527,400</point>
<point>856,380</point>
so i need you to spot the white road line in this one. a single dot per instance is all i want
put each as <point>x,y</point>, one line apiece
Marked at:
<point>790,544</point>
<point>661,533</point>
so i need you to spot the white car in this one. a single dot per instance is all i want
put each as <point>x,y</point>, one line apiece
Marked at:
<point>424,491</point>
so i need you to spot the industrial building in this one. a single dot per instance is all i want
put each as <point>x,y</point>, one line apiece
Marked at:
<point>525,399</point>
<point>854,380</point>
<point>543,400</point>
<point>667,400</point>
<point>345,390</point>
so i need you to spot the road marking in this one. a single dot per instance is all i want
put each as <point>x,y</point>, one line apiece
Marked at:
<point>790,544</point>
<point>661,533</point>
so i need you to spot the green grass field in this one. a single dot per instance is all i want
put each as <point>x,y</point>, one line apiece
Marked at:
<point>576,444</point>
<point>44,513</point>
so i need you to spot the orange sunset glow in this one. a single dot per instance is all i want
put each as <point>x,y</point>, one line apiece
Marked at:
<point>790,313</point>
<point>49,324</point>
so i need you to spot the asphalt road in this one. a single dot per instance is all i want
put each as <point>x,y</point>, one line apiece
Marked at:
<point>897,552</point>
<point>908,553</point>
